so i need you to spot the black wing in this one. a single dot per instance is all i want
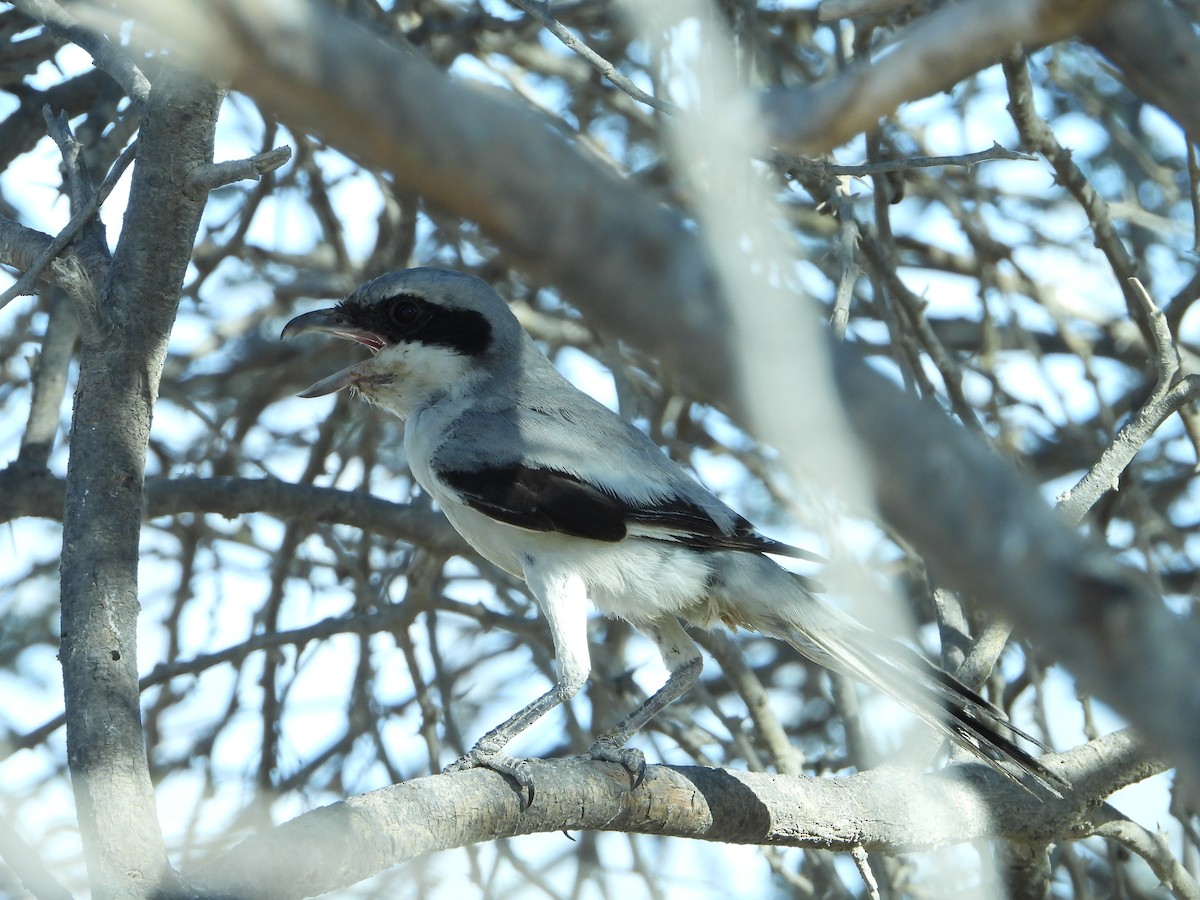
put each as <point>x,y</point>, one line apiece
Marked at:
<point>541,500</point>
<point>692,525</point>
<point>549,500</point>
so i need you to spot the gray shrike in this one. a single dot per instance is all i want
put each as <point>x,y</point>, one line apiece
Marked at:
<point>556,489</point>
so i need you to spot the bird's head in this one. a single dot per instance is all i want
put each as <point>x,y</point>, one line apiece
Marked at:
<point>429,331</point>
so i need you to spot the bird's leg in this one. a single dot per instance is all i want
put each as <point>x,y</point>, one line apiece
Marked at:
<point>563,599</point>
<point>486,752</point>
<point>684,663</point>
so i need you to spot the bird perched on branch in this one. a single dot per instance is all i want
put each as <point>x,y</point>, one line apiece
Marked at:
<point>556,489</point>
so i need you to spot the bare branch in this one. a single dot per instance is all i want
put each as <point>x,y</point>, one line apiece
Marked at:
<point>112,60</point>
<point>86,304</point>
<point>391,109</point>
<point>820,168</point>
<point>861,862</point>
<point>49,384</point>
<point>1037,135</point>
<point>387,618</point>
<point>210,176</point>
<point>1170,395</point>
<point>21,495</point>
<point>934,53</point>
<point>766,723</point>
<point>304,503</point>
<point>1155,850</point>
<point>584,208</point>
<point>540,10</point>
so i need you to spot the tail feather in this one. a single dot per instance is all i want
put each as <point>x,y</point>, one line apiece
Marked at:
<point>938,698</point>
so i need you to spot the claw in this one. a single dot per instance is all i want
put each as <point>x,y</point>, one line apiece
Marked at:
<point>512,768</point>
<point>631,760</point>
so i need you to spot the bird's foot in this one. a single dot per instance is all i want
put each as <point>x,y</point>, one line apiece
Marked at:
<point>631,760</point>
<point>511,767</point>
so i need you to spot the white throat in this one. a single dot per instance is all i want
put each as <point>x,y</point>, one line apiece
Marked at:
<point>409,377</point>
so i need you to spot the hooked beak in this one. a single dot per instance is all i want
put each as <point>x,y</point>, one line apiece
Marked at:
<point>333,322</point>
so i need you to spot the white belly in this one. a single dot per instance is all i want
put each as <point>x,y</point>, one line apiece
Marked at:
<point>635,579</point>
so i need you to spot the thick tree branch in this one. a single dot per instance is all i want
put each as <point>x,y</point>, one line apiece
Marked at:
<point>19,245</point>
<point>43,497</point>
<point>119,372</point>
<point>1155,45</point>
<point>885,809</point>
<point>933,54</point>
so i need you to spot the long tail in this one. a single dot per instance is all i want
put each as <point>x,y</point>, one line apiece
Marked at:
<point>834,640</point>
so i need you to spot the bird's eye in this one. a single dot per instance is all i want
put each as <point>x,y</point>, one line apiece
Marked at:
<point>405,313</point>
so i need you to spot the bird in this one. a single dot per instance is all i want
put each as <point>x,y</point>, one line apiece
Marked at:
<point>558,490</point>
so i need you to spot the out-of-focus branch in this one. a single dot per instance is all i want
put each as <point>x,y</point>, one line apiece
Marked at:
<point>108,57</point>
<point>49,384</point>
<point>540,10</point>
<point>885,809</point>
<point>784,756</point>
<point>28,866</point>
<point>1156,851</point>
<point>822,168</point>
<point>24,127</point>
<point>832,10</point>
<point>391,109</point>
<point>302,502</point>
<point>984,531</point>
<point>1156,46</point>
<point>933,54</point>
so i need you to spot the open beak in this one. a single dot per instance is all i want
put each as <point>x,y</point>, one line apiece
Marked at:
<point>333,322</point>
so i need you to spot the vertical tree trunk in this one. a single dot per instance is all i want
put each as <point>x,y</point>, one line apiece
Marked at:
<point>120,366</point>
